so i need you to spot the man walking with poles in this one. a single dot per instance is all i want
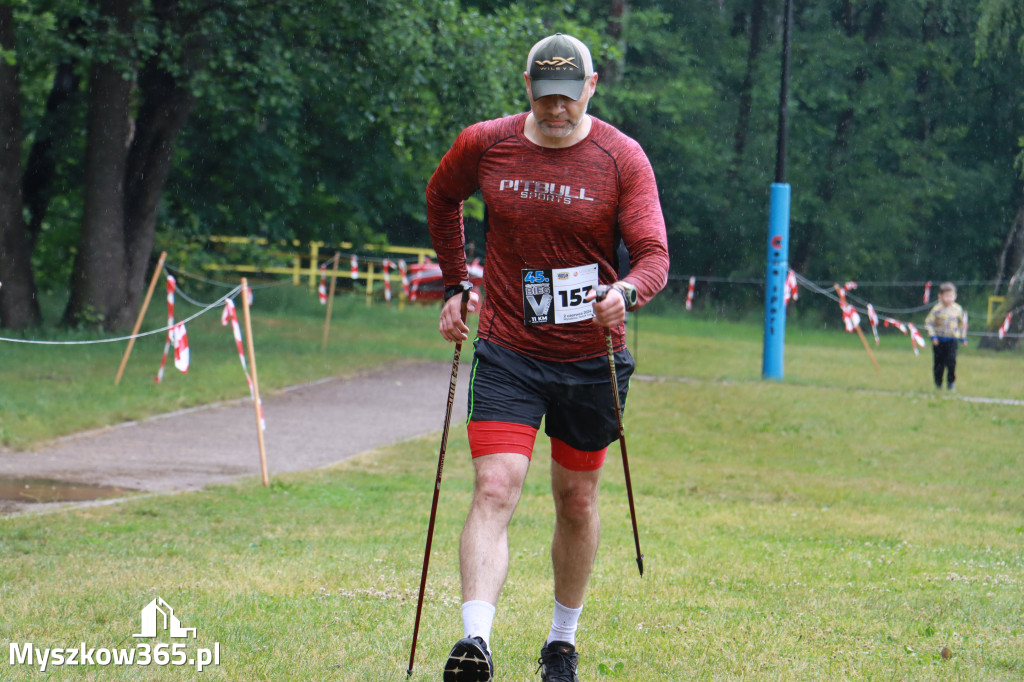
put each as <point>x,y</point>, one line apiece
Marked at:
<point>563,189</point>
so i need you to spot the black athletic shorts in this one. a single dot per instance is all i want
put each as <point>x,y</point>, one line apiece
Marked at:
<point>574,398</point>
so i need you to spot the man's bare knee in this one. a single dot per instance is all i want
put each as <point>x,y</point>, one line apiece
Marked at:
<point>577,506</point>
<point>496,489</point>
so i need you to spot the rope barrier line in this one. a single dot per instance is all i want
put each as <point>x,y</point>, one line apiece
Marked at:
<point>162,330</point>
<point>814,288</point>
<point>181,292</point>
<point>361,258</point>
<point>213,282</point>
<point>178,272</point>
<point>825,289</point>
<point>235,288</point>
<point>907,283</point>
<point>808,284</point>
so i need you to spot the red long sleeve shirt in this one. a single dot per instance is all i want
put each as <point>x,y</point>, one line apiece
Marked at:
<point>548,209</point>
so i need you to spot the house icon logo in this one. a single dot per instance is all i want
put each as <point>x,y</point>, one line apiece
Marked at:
<point>158,614</point>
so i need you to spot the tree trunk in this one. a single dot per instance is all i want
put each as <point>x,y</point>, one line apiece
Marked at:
<point>1011,258</point>
<point>50,140</point>
<point>126,169</point>
<point>747,88</point>
<point>97,280</point>
<point>165,110</point>
<point>613,70</point>
<point>19,304</point>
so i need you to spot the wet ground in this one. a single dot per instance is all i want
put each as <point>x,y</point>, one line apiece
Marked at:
<point>44,490</point>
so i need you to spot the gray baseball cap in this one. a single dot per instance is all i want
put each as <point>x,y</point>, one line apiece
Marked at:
<point>559,65</point>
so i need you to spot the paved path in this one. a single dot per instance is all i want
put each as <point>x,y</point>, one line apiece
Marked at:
<point>308,426</point>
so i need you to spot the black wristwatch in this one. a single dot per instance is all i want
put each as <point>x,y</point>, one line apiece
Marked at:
<point>457,289</point>
<point>628,292</point>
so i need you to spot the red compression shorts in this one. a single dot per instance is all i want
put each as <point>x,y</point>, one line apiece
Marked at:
<point>491,437</point>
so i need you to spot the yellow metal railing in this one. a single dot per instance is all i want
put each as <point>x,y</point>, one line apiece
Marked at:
<point>993,304</point>
<point>296,251</point>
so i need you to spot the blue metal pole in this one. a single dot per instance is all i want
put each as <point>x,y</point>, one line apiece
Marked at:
<point>778,229</point>
<point>775,283</point>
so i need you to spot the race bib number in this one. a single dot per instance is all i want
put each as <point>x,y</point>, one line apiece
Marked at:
<point>556,296</point>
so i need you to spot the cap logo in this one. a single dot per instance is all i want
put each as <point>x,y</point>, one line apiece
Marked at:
<point>558,61</point>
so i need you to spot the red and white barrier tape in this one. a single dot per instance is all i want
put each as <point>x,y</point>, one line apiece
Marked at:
<point>230,315</point>
<point>181,353</point>
<point>403,270</point>
<point>791,291</point>
<point>896,323</point>
<point>1004,328</point>
<point>915,338</point>
<point>171,283</point>
<point>873,319</point>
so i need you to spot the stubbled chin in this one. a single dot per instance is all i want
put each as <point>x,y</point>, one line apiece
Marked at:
<point>556,130</point>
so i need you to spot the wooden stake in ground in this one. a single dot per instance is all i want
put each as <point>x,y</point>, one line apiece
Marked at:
<point>863,340</point>
<point>330,297</point>
<point>868,349</point>
<point>142,313</point>
<point>369,283</point>
<point>255,382</point>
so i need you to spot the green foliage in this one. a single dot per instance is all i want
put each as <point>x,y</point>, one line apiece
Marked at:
<point>1000,28</point>
<point>324,120</point>
<point>370,105</point>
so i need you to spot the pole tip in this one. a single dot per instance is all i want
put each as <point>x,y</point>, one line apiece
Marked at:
<point>640,564</point>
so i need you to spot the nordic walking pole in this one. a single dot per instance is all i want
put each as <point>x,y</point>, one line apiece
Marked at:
<point>330,298</point>
<point>142,313</point>
<point>255,382</point>
<point>602,291</point>
<point>437,483</point>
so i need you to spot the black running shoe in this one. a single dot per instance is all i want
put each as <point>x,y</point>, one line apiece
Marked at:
<point>469,661</point>
<point>557,663</point>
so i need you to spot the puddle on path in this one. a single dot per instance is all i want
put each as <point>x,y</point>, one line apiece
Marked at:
<point>42,490</point>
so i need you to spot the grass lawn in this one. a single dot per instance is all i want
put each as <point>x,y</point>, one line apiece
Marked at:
<point>840,524</point>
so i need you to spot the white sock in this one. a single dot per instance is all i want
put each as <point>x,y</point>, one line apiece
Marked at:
<point>477,619</point>
<point>564,624</point>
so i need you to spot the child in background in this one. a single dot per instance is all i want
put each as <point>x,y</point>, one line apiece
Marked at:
<point>947,328</point>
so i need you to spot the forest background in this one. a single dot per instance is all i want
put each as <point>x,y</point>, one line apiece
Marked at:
<point>127,126</point>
